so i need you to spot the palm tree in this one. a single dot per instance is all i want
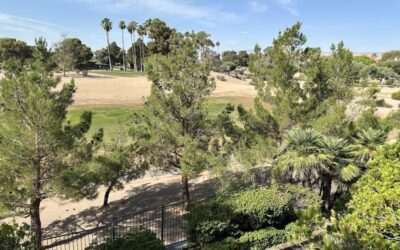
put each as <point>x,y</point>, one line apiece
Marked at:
<point>367,142</point>
<point>107,26</point>
<point>131,29</point>
<point>141,32</point>
<point>310,158</point>
<point>122,26</point>
<point>301,157</point>
<point>339,167</point>
<point>218,44</point>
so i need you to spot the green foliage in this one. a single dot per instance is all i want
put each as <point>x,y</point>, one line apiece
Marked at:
<point>230,215</point>
<point>373,219</point>
<point>12,49</point>
<point>263,238</point>
<point>226,244</point>
<point>135,239</point>
<point>37,143</point>
<point>396,95</point>
<point>72,54</point>
<point>368,120</point>
<point>366,60</point>
<point>394,65</point>
<point>392,120</point>
<point>13,236</point>
<point>115,53</point>
<point>307,227</point>
<point>391,55</point>
<point>227,67</point>
<point>174,128</point>
<point>374,103</point>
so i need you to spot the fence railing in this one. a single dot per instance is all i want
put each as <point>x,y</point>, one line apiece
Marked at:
<point>167,222</point>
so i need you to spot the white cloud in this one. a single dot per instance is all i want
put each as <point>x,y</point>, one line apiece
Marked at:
<point>28,28</point>
<point>180,8</point>
<point>258,6</point>
<point>289,6</point>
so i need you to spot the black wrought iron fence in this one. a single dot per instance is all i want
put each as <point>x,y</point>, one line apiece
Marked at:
<point>167,222</point>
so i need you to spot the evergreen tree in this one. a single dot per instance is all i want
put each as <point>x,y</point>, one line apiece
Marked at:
<point>174,128</point>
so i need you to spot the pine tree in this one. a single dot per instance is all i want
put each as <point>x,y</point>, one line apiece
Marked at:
<point>36,142</point>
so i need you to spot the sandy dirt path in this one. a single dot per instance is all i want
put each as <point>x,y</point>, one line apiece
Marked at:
<point>108,90</point>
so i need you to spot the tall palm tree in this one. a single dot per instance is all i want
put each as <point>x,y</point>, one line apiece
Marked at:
<point>122,26</point>
<point>141,32</point>
<point>131,29</point>
<point>107,26</point>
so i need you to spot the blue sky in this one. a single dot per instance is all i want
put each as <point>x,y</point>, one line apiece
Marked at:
<point>364,25</point>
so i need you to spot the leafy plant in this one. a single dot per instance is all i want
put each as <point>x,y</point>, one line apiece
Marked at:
<point>396,95</point>
<point>135,239</point>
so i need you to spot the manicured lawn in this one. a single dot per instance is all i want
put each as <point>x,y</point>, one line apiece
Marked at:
<point>118,118</point>
<point>119,73</point>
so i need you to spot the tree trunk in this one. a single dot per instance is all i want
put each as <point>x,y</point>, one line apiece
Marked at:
<point>134,52</point>
<point>107,194</point>
<point>142,56</point>
<point>123,51</point>
<point>326,192</point>
<point>36,224</point>
<point>108,48</point>
<point>185,189</point>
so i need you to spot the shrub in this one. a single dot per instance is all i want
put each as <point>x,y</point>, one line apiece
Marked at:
<point>13,236</point>
<point>135,239</point>
<point>396,95</point>
<point>227,244</point>
<point>85,72</point>
<point>256,208</point>
<point>230,215</point>
<point>374,103</point>
<point>263,238</point>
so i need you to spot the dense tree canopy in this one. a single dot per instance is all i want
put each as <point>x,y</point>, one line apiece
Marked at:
<point>71,54</point>
<point>13,49</point>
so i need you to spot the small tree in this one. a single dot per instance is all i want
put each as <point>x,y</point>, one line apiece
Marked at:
<point>119,163</point>
<point>72,54</point>
<point>36,143</point>
<point>174,127</point>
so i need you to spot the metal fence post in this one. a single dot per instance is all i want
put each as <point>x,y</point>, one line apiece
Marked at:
<point>162,222</point>
<point>114,225</point>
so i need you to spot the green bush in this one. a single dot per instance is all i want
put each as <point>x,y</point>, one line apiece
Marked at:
<point>263,238</point>
<point>14,236</point>
<point>135,239</point>
<point>230,215</point>
<point>227,244</point>
<point>85,72</point>
<point>396,95</point>
<point>256,208</point>
<point>374,103</point>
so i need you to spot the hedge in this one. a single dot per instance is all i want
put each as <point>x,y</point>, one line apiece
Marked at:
<point>231,215</point>
<point>264,238</point>
<point>135,239</point>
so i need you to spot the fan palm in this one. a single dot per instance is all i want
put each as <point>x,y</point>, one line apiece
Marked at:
<point>107,26</point>
<point>340,166</point>
<point>301,157</point>
<point>310,157</point>
<point>368,141</point>
<point>122,26</point>
<point>132,29</point>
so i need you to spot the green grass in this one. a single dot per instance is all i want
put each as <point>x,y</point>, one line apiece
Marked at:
<point>118,73</point>
<point>118,118</point>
